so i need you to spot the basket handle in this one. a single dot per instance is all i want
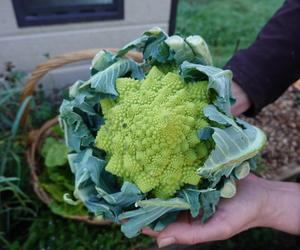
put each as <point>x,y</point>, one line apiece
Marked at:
<point>42,69</point>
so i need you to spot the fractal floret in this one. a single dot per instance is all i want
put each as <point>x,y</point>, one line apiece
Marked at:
<point>150,134</point>
<point>150,131</point>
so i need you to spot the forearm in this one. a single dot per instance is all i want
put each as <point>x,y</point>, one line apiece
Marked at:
<point>272,62</point>
<point>282,207</point>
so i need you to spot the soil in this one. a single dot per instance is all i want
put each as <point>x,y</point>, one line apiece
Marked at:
<point>281,122</point>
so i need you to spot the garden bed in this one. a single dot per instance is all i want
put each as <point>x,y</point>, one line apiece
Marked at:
<point>281,123</point>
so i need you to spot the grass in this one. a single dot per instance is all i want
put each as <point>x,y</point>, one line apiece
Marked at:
<point>226,25</point>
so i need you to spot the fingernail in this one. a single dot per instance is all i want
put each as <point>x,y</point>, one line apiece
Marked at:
<point>166,241</point>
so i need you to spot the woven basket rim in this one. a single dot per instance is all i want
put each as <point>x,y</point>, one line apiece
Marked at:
<point>38,135</point>
<point>56,62</point>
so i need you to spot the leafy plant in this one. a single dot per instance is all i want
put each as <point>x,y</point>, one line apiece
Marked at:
<point>56,177</point>
<point>11,82</point>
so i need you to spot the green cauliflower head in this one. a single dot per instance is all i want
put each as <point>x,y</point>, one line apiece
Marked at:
<point>150,131</point>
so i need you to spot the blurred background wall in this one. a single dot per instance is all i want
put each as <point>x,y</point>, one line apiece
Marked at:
<point>31,31</point>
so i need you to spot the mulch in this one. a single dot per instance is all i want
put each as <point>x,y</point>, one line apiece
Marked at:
<point>281,122</point>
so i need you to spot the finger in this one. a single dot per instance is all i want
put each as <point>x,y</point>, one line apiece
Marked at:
<point>148,231</point>
<point>175,233</point>
<point>183,233</point>
<point>242,100</point>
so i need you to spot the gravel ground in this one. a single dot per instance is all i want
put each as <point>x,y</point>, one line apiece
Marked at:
<point>281,123</point>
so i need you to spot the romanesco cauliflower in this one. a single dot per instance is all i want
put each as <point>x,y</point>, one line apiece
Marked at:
<point>168,142</point>
<point>150,131</point>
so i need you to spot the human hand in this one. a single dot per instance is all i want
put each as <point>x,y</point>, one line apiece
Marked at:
<point>242,100</point>
<point>243,211</point>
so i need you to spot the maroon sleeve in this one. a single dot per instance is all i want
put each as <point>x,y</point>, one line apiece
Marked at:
<point>272,62</point>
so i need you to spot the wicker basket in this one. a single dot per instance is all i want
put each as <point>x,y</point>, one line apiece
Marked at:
<point>36,137</point>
